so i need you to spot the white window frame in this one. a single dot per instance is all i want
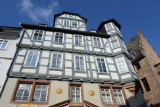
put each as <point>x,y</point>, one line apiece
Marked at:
<point>118,96</point>
<point>116,39</point>
<point>69,22</point>
<point>105,65</point>
<point>73,21</point>
<point>124,63</point>
<point>83,62</point>
<point>40,94</point>
<point>55,38</point>
<point>75,94</point>
<point>35,32</point>
<point>78,38</point>
<point>94,43</point>
<point>23,93</point>
<point>105,94</point>
<point>107,27</point>
<point>52,60</point>
<point>6,44</point>
<point>27,58</point>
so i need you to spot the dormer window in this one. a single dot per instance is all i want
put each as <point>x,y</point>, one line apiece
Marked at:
<point>66,23</point>
<point>109,26</point>
<point>38,34</point>
<point>74,24</point>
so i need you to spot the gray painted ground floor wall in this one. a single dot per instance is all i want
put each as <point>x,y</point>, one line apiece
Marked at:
<point>55,98</point>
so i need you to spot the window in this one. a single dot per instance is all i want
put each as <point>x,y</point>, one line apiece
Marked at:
<point>23,92</point>
<point>31,91</point>
<point>32,58</point>
<point>109,26</point>
<point>40,93</point>
<point>66,23</point>
<point>74,24</point>
<point>114,42</point>
<point>122,66</point>
<point>38,34</point>
<point>97,42</point>
<point>145,84</point>
<point>75,94</point>
<point>58,38</point>
<point>3,44</point>
<point>56,61</point>
<point>106,96</point>
<point>79,61</point>
<point>138,66</point>
<point>119,96</point>
<point>78,40</point>
<point>101,65</point>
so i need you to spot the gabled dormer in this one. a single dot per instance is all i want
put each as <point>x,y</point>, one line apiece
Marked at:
<point>110,27</point>
<point>69,20</point>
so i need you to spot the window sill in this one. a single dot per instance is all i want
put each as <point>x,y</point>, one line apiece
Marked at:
<point>80,70</point>
<point>24,66</point>
<point>98,47</point>
<point>58,43</point>
<point>56,69</point>
<point>37,40</point>
<point>79,45</point>
<point>103,72</point>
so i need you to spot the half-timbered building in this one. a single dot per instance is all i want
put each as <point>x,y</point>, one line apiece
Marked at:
<point>68,66</point>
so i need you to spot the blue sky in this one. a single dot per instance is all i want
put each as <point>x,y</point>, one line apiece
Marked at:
<point>131,14</point>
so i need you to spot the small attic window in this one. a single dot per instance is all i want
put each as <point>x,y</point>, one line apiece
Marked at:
<point>109,26</point>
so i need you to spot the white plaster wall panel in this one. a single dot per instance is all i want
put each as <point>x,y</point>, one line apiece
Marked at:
<point>94,74</point>
<point>90,48</point>
<point>38,43</point>
<point>104,76</point>
<point>26,41</point>
<point>26,36</point>
<point>19,59</point>
<point>47,43</point>
<point>79,48</point>
<point>58,45</point>
<point>49,33</point>
<point>54,97</point>
<point>68,56</point>
<point>29,32</point>
<point>89,38</point>
<point>108,50</point>
<point>89,42</point>
<point>55,72</point>
<point>69,40</point>
<point>77,17</point>
<point>112,67</point>
<point>87,65</point>
<point>114,76</point>
<point>44,61</point>
<point>97,49</point>
<point>91,59</point>
<point>107,45</point>
<point>16,68</point>
<point>92,99</point>
<point>42,70</point>
<point>45,54</point>
<point>48,37</point>
<point>62,15</point>
<point>68,35</point>
<point>68,72</point>
<point>105,40</point>
<point>117,50</point>
<point>126,76</point>
<point>83,29</point>
<point>67,27</point>
<point>109,60</point>
<point>58,26</point>
<point>32,70</point>
<point>69,46</point>
<point>80,75</point>
<point>93,65</point>
<point>22,52</point>
<point>68,63</point>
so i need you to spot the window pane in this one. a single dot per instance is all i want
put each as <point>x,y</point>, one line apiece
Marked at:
<point>75,94</point>
<point>106,96</point>
<point>38,35</point>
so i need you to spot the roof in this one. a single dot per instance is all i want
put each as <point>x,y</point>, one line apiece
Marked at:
<point>71,13</point>
<point>86,33</point>
<point>7,32</point>
<point>107,21</point>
